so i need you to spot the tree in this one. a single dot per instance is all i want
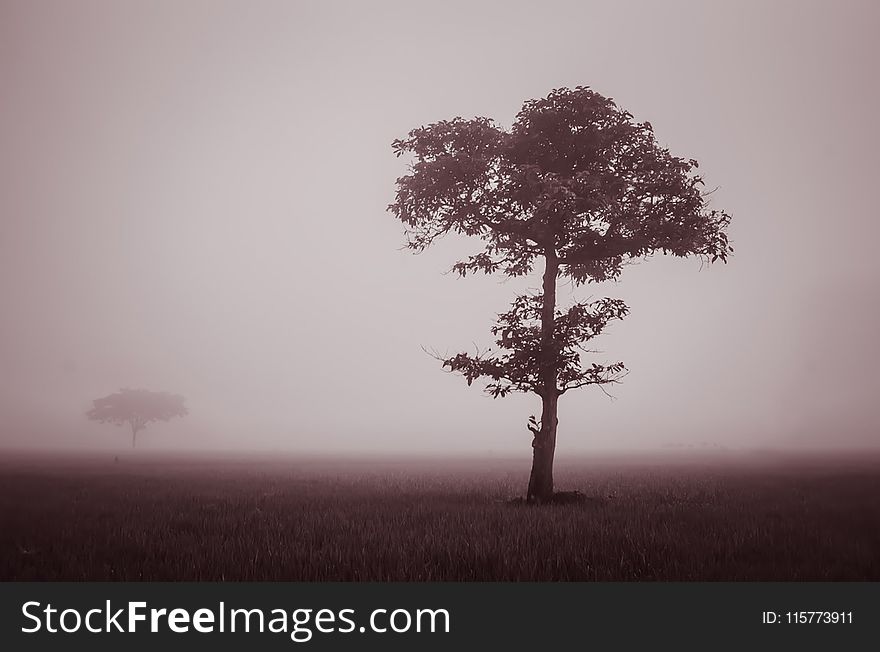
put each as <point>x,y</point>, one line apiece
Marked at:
<point>577,184</point>
<point>138,408</point>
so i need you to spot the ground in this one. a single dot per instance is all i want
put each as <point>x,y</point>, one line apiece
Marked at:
<point>719,516</point>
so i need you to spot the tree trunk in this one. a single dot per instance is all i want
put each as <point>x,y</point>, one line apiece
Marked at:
<point>544,444</point>
<point>544,448</point>
<point>134,432</point>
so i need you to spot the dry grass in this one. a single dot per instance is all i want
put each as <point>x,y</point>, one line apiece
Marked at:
<point>705,518</point>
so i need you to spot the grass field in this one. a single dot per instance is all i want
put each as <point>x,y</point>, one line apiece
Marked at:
<point>703,517</point>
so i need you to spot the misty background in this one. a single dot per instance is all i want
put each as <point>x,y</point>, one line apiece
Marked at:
<point>193,198</point>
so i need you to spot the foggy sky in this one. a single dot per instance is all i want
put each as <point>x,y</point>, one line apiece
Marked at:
<point>193,200</point>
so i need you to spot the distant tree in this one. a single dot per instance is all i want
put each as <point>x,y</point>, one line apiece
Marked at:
<point>577,183</point>
<point>137,408</point>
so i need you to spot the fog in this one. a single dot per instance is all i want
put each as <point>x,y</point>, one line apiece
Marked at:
<point>193,199</point>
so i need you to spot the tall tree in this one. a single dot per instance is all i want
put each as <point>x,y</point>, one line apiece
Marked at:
<point>576,184</point>
<point>137,408</point>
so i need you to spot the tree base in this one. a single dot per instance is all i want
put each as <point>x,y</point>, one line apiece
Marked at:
<point>561,498</point>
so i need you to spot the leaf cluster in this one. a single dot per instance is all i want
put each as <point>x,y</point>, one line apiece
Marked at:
<point>522,355</point>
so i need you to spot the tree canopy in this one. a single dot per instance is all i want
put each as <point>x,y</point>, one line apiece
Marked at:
<point>576,175</point>
<point>138,408</point>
